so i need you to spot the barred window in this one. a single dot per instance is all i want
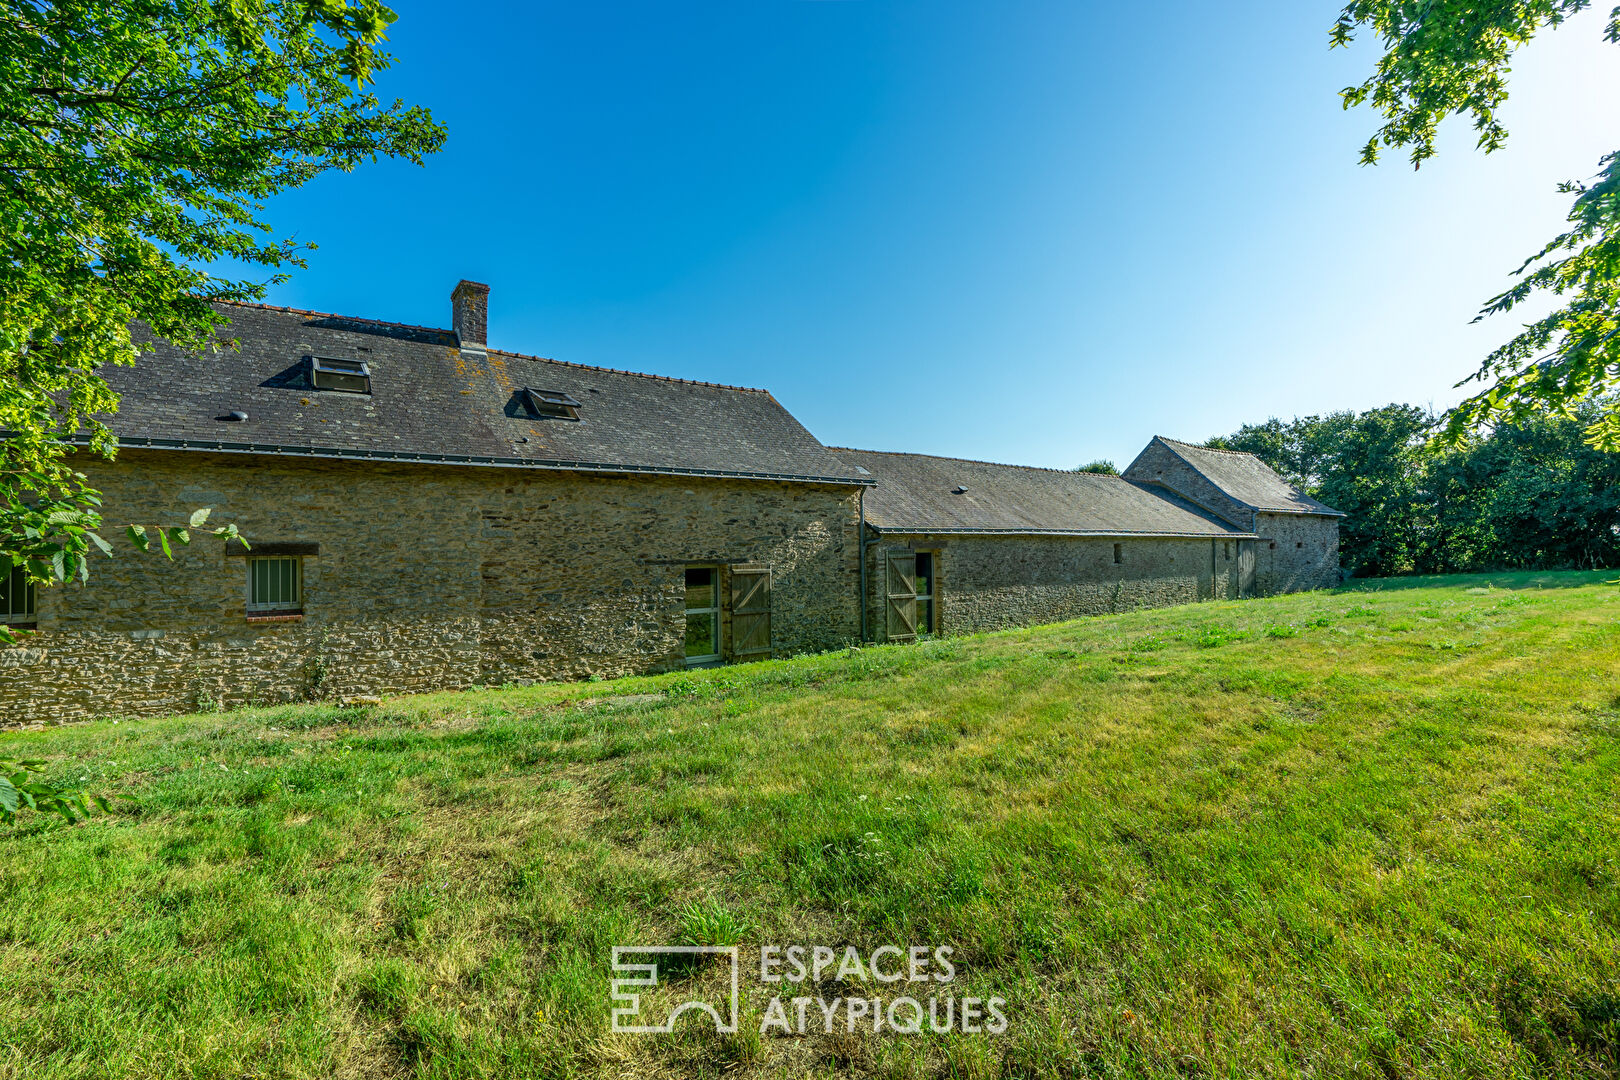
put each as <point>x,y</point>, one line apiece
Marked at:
<point>275,585</point>
<point>16,596</point>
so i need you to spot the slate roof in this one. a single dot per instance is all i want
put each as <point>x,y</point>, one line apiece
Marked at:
<point>429,401</point>
<point>915,494</point>
<point>1247,479</point>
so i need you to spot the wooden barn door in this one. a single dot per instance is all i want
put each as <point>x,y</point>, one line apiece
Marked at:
<point>751,612</point>
<point>901,590</point>
<point>1265,566</point>
<point>1246,568</point>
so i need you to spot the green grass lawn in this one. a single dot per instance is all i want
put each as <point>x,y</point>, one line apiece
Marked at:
<point>1370,832</point>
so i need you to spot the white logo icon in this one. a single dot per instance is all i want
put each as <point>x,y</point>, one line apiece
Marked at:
<point>631,976</point>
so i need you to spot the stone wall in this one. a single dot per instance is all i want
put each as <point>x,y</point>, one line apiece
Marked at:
<point>1296,552</point>
<point>994,582</point>
<point>427,577</point>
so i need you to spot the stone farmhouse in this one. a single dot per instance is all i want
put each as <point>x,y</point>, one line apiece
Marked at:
<point>427,512</point>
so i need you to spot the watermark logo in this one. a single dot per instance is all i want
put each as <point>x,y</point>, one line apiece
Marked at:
<point>902,990</point>
<point>636,970</point>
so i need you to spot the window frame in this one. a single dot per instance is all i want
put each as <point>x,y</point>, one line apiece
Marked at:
<point>714,613</point>
<point>331,372</point>
<point>257,609</point>
<point>28,614</point>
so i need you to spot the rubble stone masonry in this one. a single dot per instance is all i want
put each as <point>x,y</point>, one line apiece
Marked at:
<point>1296,552</point>
<point>427,577</point>
<point>994,582</point>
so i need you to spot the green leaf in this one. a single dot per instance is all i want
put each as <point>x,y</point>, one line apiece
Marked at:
<point>8,796</point>
<point>163,539</point>
<point>141,145</point>
<point>95,538</point>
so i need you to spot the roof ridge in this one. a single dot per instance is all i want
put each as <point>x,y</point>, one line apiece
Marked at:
<point>1208,449</point>
<point>636,374</point>
<point>335,315</point>
<point>503,352</point>
<point>974,461</point>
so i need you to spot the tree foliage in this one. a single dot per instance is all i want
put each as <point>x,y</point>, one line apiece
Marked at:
<point>1451,57</point>
<point>138,141</point>
<point>23,786</point>
<point>1102,466</point>
<point>1530,495</point>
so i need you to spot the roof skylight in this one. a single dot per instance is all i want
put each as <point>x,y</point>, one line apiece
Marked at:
<point>552,403</point>
<point>334,373</point>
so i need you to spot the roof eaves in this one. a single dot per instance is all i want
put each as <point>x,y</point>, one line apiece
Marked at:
<point>339,453</point>
<point>1327,511</point>
<point>1121,534</point>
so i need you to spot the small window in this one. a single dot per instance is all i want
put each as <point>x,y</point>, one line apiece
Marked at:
<point>16,597</point>
<point>552,403</point>
<point>702,615</point>
<point>1299,544</point>
<point>1274,545</point>
<point>347,376</point>
<point>1119,553</point>
<point>925,592</point>
<point>276,586</point>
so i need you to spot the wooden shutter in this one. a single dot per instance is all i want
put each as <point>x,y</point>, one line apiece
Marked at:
<point>751,612</point>
<point>901,590</point>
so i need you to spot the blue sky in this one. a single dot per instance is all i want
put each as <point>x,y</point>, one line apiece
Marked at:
<point>1037,231</point>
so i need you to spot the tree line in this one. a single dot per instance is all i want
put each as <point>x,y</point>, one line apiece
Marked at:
<point>1530,495</point>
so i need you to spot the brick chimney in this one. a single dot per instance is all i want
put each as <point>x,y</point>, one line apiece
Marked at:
<point>469,315</point>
